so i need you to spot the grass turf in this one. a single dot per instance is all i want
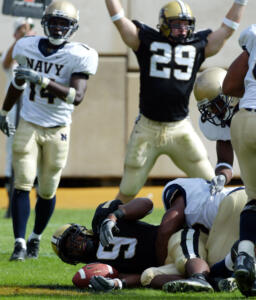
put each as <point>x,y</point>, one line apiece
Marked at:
<point>49,278</point>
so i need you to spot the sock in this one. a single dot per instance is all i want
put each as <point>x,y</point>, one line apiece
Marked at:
<point>247,222</point>
<point>34,236</point>
<point>44,209</point>
<point>20,212</point>
<point>220,270</point>
<point>247,246</point>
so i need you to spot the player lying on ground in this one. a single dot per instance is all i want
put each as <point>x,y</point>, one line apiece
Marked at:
<point>136,248</point>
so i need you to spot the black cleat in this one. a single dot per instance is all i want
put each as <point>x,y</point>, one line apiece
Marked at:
<point>196,283</point>
<point>19,253</point>
<point>244,272</point>
<point>33,248</point>
<point>227,284</point>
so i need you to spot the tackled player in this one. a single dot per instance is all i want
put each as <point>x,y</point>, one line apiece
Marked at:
<point>52,78</point>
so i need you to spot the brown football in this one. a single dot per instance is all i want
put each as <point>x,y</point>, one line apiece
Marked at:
<point>82,277</point>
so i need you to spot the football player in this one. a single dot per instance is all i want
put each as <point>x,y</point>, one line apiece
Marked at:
<point>52,78</point>
<point>169,59</point>
<point>216,111</point>
<point>132,247</point>
<point>240,82</point>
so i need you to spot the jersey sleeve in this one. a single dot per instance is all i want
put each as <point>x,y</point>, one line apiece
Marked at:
<point>86,61</point>
<point>101,213</point>
<point>247,38</point>
<point>172,190</point>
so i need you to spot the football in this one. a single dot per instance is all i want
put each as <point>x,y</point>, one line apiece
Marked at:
<point>82,277</point>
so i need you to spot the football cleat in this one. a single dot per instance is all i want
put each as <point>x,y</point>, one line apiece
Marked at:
<point>33,248</point>
<point>19,253</point>
<point>244,272</point>
<point>227,284</point>
<point>196,283</point>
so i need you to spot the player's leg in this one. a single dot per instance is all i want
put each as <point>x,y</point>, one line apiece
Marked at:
<point>55,146</point>
<point>187,249</point>
<point>243,137</point>
<point>189,153</point>
<point>25,154</point>
<point>141,155</point>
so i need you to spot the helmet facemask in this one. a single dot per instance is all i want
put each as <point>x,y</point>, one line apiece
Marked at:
<point>75,245</point>
<point>217,111</point>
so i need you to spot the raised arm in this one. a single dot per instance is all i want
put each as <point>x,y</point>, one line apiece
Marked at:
<point>126,28</point>
<point>230,23</point>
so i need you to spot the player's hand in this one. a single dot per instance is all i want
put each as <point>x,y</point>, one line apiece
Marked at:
<point>106,233</point>
<point>5,126</point>
<point>103,284</point>
<point>28,75</point>
<point>217,184</point>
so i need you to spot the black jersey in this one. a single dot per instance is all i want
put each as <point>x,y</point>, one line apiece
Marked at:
<point>167,73</point>
<point>133,247</point>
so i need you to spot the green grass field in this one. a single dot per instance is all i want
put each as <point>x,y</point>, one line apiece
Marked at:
<point>49,278</point>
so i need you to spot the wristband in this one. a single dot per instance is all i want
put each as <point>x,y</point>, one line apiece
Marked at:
<point>71,96</point>
<point>231,24</point>
<point>44,82</point>
<point>119,214</point>
<point>222,164</point>
<point>241,2</point>
<point>3,113</point>
<point>118,16</point>
<point>18,87</point>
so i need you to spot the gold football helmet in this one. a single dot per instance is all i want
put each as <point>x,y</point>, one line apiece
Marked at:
<point>176,10</point>
<point>73,243</point>
<point>60,21</point>
<point>214,106</point>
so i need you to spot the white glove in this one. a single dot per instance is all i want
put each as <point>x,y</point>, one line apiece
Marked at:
<point>104,284</point>
<point>106,234</point>
<point>217,184</point>
<point>31,75</point>
<point>5,126</point>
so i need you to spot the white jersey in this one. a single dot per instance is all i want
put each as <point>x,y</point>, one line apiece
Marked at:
<point>39,106</point>
<point>213,132</point>
<point>247,40</point>
<point>201,207</point>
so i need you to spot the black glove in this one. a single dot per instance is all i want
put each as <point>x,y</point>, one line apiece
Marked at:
<point>106,234</point>
<point>104,284</point>
<point>5,126</point>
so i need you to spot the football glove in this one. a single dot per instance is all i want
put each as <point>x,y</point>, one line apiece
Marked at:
<point>106,234</point>
<point>5,126</point>
<point>104,284</point>
<point>217,184</point>
<point>31,75</point>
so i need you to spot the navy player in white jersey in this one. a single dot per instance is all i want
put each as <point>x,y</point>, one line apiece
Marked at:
<point>157,253</point>
<point>52,78</point>
<point>240,82</point>
<point>169,59</point>
<point>216,111</point>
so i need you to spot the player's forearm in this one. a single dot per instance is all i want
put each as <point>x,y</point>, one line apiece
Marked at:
<point>12,96</point>
<point>137,208</point>
<point>113,6</point>
<point>8,60</point>
<point>130,280</point>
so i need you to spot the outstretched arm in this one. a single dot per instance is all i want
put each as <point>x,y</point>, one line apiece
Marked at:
<point>172,221</point>
<point>126,28</point>
<point>217,38</point>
